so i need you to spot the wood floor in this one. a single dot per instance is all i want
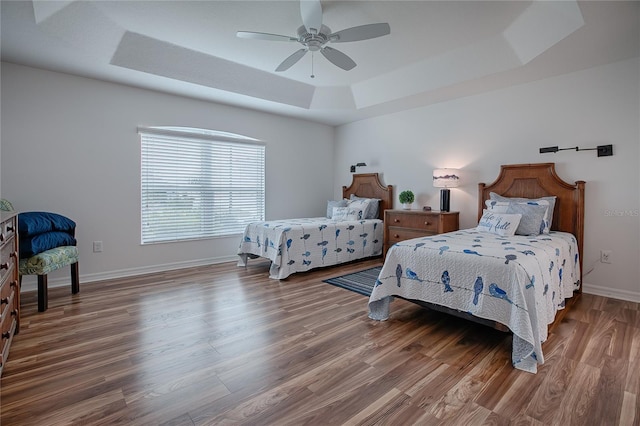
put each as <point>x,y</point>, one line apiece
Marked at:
<point>226,345</point>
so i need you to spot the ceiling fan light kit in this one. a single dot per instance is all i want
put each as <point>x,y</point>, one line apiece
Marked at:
<point>314,36</point>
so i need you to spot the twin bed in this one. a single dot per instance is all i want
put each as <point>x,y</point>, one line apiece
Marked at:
<point>299,245</point>
<point>517,283</point>
<point>523,282</point>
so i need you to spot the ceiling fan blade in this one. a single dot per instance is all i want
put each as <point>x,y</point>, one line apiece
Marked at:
<point>291,60</point>
<point>363,32</point>
<point>264,36</point>
<point>338,58</point>
<point>311,12</point>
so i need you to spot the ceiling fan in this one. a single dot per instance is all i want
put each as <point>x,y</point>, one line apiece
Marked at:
<point>314,36</point>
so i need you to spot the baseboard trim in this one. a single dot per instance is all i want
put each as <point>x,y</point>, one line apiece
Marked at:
<point>123,273</point>
<point>630,296</point>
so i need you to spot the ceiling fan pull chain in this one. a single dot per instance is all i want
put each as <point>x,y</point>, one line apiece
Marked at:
<point>312,55</point>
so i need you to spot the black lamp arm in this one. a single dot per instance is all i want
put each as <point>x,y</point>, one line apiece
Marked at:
<point>603,150</point>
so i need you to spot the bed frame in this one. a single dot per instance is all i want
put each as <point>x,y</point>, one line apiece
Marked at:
<point>534,181</point>
<point>368,185</point>
<point>541,180</point>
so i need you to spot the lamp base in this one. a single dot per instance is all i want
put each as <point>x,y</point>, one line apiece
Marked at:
<point>444,200</point>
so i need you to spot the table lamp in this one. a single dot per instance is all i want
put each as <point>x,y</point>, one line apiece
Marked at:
<point>445,179</point>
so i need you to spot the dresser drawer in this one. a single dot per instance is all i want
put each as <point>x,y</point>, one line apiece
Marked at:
<point>8,231</point>
<point>8,301</point>
<point>8,330</point>
<point>7,306</point>
<point>416,221</point>
<point>8,286</point>
<point>8,259</point>
<point>400,234</point>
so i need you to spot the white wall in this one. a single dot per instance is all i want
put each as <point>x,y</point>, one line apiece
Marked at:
<point>477,134</point>
<point>70,145</point>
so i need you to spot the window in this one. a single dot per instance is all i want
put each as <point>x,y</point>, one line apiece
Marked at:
<point>199,183</point>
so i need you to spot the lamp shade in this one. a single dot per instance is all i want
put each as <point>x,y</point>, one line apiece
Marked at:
<point>446,178</point>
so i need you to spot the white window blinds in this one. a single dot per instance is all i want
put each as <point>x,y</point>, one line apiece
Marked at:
<point>198,183</point>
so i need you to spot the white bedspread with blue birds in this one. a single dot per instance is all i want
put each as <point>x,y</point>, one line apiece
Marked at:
<point>297,245</point>
<point>519,281</point>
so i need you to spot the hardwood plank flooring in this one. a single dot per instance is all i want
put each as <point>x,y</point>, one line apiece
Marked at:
<point>226,345</point>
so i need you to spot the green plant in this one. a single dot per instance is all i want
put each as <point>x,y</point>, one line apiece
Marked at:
<point>406,197</point>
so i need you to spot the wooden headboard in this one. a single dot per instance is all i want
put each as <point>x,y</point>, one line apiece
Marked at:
<point>368,185</point>
<point>541,180</point>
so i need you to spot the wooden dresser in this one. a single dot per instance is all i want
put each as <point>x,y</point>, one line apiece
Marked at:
<point>400,225</point>
<point>10,287</point>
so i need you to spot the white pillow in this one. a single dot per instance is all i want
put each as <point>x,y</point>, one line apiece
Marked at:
<point>337,203</point>
<point>346,213</point>
<point>496,206</point>
<point>501,224</point>
<point>361,204</point>
<point>374,206</point>
<point>503,207</point>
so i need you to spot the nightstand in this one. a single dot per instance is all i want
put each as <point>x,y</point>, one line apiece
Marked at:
<point>400,225</point>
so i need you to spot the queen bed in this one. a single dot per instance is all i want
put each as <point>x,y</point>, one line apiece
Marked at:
<point>351,230</point>
<point>521,283</point>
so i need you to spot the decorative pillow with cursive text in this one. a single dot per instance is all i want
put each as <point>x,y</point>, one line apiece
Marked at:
<point>501,224</point>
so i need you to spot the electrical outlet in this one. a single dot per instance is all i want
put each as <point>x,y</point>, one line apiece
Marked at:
<point>97,246</point>
<point>605,256</point>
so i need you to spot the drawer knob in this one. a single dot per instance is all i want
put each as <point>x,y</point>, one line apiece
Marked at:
<point>396,220</point>
<point>10,229</point>
<point>2,237</point>
<point>4,300</point>
<point>4,266</point>
<point>427,223</point>
<point>13,284</point>
<point>396,236</point>
<point>6,335</point>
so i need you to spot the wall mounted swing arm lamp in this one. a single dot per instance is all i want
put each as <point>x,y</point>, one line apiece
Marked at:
<point>603,150</point>
<point>353,167</point>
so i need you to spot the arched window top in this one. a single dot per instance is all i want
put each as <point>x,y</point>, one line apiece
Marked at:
<point>199,133</point>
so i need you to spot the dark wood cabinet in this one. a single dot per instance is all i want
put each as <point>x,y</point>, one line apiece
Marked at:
<point>9,283</point>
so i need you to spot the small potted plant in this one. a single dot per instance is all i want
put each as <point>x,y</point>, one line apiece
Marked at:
<point>406,198</point>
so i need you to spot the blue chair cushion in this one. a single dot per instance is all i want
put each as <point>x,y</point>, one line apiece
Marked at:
<point>33,245</point>
<point>33,223</point>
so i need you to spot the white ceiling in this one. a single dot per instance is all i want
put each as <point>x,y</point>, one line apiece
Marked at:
<point>437,50</point>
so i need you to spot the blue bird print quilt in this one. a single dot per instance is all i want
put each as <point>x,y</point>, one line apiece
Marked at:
<point>519,281</point>
<point>297,245</point>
